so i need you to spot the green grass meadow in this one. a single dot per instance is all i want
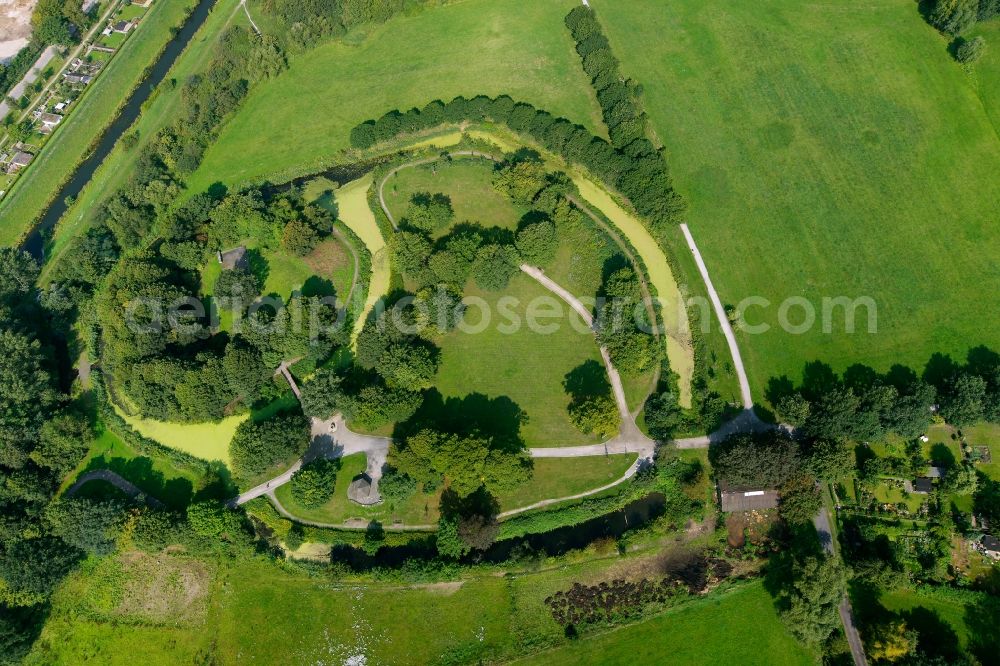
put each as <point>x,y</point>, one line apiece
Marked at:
<point>737,627</point>
<point>245,612</point>
<point>525,366</point>
<point>826,150</point>
<point>490,47</point>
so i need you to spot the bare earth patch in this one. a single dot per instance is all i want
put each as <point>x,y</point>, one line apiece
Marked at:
<point>163,588</point>
<point>15,26</point>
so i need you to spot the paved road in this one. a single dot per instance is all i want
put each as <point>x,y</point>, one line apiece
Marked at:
<point>720,312</point>
<point>330,439</point>
<point>822,523</point>
<point>117,481</point>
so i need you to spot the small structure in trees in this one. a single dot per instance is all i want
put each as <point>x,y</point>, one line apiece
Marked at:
<point>234,259</point>
<point>733,499</point>
<point>363,491</point>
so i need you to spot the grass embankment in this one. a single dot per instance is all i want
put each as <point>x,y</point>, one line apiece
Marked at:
<point>564,477</point>
<point>680,351</point>
<point>825,150</point>
<point>98,106</point>
<point>490,47</point>
<point>736,627</point>
<point>154,476</point>
<point>162,108</point>
<point>468,182</point>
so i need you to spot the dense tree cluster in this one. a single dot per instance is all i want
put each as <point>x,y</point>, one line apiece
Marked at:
<point>595,415</point>
<point>642,178</point>
<point>428,212</point>
<point>313,485</point>
<point>773,460</point>
<point>956,16</point>
<point>465,462</point>
<point>623,325</point>
<point>258,446</point>
<point>865,406</point>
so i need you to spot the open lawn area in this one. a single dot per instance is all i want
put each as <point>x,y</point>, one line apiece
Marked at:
<point>489,47</point>
<point>91,114</point>
<point>421,509</point>
<point>564,477</point>
<point>524,367</point>
<point>890,494</point>
<point>469,184</point>
<point>826,150</point>
<point>988,435</point>
<point>245,611</point>
<point>715,630</point>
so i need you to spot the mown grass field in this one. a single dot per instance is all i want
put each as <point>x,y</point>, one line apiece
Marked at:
<point>826,150</point>
<point>98,106</point>
<point>469,48</point>
<point>563,477</point>
<point>504,361</point>
<point>468,182</point>
<point>739,627</point>
<point>245,612</point>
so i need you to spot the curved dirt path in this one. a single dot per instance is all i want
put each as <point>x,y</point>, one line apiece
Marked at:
<point>357,264</point>
<point>416,163</point>
<point>720,312</point>
<point>333,439</point>
<point>612,233</point>
<point>117,481</point>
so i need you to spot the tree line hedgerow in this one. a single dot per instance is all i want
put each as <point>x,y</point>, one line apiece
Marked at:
<point>642,179</point>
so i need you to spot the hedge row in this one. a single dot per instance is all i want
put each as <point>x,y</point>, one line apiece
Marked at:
<point>616,95</point>
<point>641,177</point>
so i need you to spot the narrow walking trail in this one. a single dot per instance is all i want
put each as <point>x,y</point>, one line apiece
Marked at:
<point>720,312</point>
<point>117,481</point>
<point>333,439</point>
<point>823,530</point>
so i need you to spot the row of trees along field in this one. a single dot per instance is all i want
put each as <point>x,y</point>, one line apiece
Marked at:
<point>640,178</point>
<point>956,17</point>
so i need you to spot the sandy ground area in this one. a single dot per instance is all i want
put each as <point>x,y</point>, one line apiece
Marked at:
<point>15,26</point>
